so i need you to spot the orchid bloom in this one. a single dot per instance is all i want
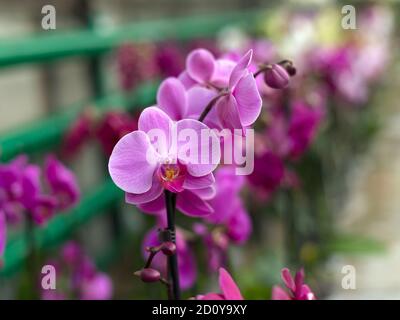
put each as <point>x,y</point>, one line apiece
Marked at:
<point>240,103</point>
<point>297,289</point>
<point>230,290</point>
<point>62,182</point>
<point>144,168</point>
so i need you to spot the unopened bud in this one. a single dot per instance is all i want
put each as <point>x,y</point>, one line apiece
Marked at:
<point>148,275</point>
<point>168,248</point>
<point>276,77</point>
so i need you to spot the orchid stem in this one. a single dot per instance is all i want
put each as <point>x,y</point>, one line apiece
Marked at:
<point>212,102</point>
<point>170,201</point>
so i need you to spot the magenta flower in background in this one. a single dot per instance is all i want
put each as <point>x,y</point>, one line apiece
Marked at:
<point>98,287</point>
<point>62,182</point>
<point>113,127</point>
<point>303,126</point>
<point>136,63</point>
<point>297,290</point>
<point>77,134</point>
<point>228,287</point>
<point>144,168</point>
<point>268,174</point>
<point>169,59</point>
<point>43,208</point>
<point>78,276</point>
<point>186,262</point>
<point>232,215</point>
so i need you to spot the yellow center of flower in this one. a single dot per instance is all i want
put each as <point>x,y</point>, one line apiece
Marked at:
<point>169,172</point>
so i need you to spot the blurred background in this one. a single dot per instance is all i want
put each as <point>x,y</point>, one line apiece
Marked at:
<point>74,91</point>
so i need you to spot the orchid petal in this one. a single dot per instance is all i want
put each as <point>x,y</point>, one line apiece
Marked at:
<point>154,192</point>
<point>248,100</point>
<point>228,286</point>
<point>201,153</point>
<point>240,69</point>
<point>131,164</point>
<point>192,205</point>
<point>171,98</point>
<point>200,65</point>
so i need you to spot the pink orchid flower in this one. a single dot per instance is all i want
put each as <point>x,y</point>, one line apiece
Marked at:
<point>144,168</point>
<point>241,104</point>
<point>62,182</point>
<point>230,290</point>
<point>297,289</point>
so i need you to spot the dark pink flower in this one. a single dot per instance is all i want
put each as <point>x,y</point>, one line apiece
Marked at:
<point>303,126</point>
<point>77,134</point>
<point>170,59</point>
<point>98,287</point>
<point>297,290</point>
<point>112,128</point>
<point>268,173</point>
<point>228,287</point>
<point>62,182</point>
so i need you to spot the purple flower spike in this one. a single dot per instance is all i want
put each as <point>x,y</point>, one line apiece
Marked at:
<point>62,183</point>
<point>276,77</point>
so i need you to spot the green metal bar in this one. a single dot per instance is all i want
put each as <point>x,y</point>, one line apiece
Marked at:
<point>47,133</point>
<point>54,45</point>
<point>60,227</point>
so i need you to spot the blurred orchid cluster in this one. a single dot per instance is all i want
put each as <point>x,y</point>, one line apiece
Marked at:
<point>77,277</point>
<point>23,197</point>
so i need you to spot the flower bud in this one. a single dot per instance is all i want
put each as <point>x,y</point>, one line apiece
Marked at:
<point>148,275</point>
<point>168,248</point>
<point>276,77</point>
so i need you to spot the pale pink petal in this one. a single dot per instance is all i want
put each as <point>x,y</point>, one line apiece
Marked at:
<point>228,114</point>
<point>192,205</point>
<point>129,164</point>
<point>198,147</point>
<point>198,99</point>
<point>228,286</point>
<point>223,70</point>
<point>157,206</point>
<point>279,294</point>
<point>288,279</point>
<point>240,69</point>
<point>186,80</point>
<point>158,125</point>
<point>248,100</point>
<point>198,182</point>
<point>206,193</point>
<point>154,192</point>
<point>171,98</point>
<point>200,65</point>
